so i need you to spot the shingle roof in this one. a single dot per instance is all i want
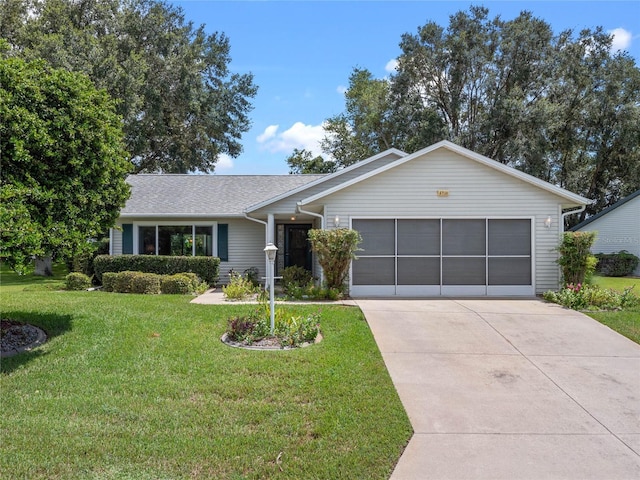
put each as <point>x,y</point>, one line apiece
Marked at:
<point>226,195</point>
<point>619,203</point>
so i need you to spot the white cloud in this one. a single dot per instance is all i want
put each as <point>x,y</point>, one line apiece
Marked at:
<point>268,133</point>
<point>341,89</point>
<point>621,39</point>
<point>225,162</point>
<point>299,135</point>
<point>391,66</point>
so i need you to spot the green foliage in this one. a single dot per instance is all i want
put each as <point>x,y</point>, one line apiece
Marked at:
<point>295,277</point>
<point>618,264</point>
<point>146,283</point>
<point>63,161</point>
<point>123,282</point>
<point>182,283</point>
<point>204,267</point>
<point>564,108</point>
<point>303,162</point>
<point>181,106</point>
<point>576,260</point>
<point>289,330</point>
<point>109,281</point>
<point>251,274</point>
<point>590,297</point>
<point>335,249</point>
<point>77,281</point>
<point>239,287</point>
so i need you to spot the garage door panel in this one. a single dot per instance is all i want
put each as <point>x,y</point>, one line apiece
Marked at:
<point>464,271</point>
<point>418,271</point>
<point>378,236</point>
<point>374,271</point>
<point>510,271</point>
<point>464,237</point>
<point>418,237</point>
<point>509,237</point>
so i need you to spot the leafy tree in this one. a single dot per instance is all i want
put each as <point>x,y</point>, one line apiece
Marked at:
<point>181,106</point>
<point>63,162</point>
<point>303,161</point>
<point>560,107</point>
<point>376,119</point>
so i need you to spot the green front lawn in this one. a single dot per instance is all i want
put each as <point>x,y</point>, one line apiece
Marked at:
<point>626,322</point>
<point>141,387</point>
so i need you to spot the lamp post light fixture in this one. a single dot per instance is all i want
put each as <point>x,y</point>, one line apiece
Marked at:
<point>270,251</point>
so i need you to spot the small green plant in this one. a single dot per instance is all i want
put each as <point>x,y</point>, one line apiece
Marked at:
<point>289,330</point>
<point>335,250</point>
<point>239,287</point>
<point>182,284</point>
<point>576,260</point>
<point>146,283</point>
<point>295,277</point>
<point>592,297</point>
<point>251,274</point>
<point>77,281</point>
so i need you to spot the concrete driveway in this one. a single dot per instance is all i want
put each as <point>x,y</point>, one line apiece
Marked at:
<point>510,389</point>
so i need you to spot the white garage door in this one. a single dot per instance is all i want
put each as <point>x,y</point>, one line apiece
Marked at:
<point>445,256</point>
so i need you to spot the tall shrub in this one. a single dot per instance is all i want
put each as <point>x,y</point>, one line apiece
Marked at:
<point>335,250</point>
<point>576,259</point>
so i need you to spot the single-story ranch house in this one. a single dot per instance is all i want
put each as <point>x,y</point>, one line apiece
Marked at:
<point>442,221</point>
<point>617,227</point>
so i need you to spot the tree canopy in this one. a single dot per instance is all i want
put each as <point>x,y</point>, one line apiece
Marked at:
<point>181,106</point>
<point>63,162</point>
<point>303,161</point>
<point>563,107</point>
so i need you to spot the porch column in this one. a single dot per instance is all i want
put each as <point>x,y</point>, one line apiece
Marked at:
<point>271,234</point>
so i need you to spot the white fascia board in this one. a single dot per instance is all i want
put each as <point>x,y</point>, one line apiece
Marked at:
<point>325,178</point>
<point>572,197</point>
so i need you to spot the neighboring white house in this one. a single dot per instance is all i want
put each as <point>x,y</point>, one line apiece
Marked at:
<point>442,221</point>
<point>617,227</point>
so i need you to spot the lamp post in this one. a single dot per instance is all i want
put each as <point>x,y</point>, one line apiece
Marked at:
<point>270,250</point>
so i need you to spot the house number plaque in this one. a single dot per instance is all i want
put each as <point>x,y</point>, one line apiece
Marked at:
<point>442,193</point>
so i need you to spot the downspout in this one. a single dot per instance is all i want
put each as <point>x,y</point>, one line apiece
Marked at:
<point>321,217</point>
<point>562,217</point>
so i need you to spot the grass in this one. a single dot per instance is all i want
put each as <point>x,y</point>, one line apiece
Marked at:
<point>141,387</point>
<point>626,322</point>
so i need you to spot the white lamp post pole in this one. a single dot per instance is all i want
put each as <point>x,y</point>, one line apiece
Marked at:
<point>270,250</point>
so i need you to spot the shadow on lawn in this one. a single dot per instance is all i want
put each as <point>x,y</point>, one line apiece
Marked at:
<point>52,324</point>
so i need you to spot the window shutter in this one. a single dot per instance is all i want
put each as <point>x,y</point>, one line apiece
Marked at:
<point>127,238</point>
<point>223,242</point>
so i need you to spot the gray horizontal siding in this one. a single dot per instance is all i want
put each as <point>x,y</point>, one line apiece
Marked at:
<point>475,190</point>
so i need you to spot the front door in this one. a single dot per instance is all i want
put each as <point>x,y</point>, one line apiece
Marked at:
<point>297,250</point>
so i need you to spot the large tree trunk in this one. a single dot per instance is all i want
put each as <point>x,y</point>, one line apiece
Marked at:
<point>43,266</point>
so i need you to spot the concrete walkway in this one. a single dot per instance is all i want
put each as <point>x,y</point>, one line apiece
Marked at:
<point>510,389</point>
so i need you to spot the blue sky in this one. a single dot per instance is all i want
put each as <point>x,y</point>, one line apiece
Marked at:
<point>302,53</point>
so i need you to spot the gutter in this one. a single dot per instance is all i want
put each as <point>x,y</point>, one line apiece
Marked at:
<point>313,214</point>
<point>571,212</point>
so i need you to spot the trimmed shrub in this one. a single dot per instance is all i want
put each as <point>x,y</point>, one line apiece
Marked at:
<point>204,267</point>
<point>77,281</point>
<point>109,281</point>
<point>618,264</point>
<point>180,283</point>
<point>146,283</point>
<point>124,281</point>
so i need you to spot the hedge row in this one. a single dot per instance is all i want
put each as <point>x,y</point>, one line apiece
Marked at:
<point>204,267</point>
<point>150,283</point>
<point>618,264</point>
